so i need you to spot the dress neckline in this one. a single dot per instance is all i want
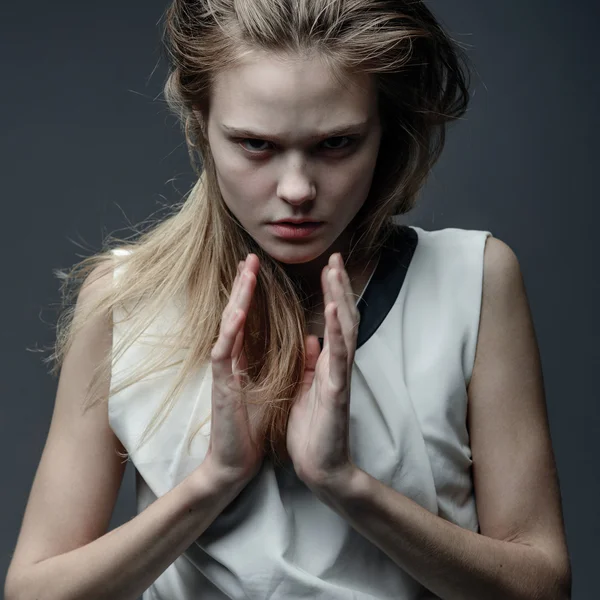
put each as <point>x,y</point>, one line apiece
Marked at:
<point>385,283</point>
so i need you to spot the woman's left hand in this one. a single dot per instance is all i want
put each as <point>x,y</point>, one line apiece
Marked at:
<point>319,420</point>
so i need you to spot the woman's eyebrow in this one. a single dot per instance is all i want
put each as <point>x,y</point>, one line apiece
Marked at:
<point>335,132</point>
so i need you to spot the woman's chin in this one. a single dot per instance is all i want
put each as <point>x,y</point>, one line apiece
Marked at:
<point>293,253</point>
<point>298,256</point>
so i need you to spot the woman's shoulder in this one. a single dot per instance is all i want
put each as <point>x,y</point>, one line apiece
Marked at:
<point>121,256</point>
<point>121,251</point>
<point>451,254</point>
<point>448,235</point>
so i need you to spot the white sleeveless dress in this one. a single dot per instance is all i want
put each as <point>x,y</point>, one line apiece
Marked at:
<point>413,363</point>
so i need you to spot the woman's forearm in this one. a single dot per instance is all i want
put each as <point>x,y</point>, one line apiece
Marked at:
<point>123,563</point>
<point>454,563</point>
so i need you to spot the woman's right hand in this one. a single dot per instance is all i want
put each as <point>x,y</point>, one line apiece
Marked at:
<point>232,454</point>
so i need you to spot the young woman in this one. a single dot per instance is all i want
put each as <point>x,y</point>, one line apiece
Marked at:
<point>318,402</point>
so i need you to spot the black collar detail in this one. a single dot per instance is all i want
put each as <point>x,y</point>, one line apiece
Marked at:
<point>385,285</point>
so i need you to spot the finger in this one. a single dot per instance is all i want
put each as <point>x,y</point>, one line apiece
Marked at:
<point>245,267</point>
<point>228,310</point>
<point>352,297</point>
<point>335,262</point>
<point>243,301</point>
<point>231,318</point>
<point>240,270</point>
<point>327,298</point>
<point>237,351</point>
<point>325,285</point>
<point>338,353</point>
<point>312,350</point>
<point>349,294</point>
<point>345,278</point>
<point>252,263</point>
<point>344,310</point>
<point>234,285</point>
<point>223,349</point>
<point>235,290</point>
<point>247,285</point>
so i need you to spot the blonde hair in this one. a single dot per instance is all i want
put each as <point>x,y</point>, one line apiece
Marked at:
<point>193,253</point>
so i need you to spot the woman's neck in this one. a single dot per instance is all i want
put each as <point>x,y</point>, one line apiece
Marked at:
<point>308,275</point>
<point>359,275</point>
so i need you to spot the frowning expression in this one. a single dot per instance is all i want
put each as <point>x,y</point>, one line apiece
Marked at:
<point>289,141</point>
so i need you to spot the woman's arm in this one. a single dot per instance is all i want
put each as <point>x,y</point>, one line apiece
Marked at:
<point>521,551</point>
<point>123,563</point>
<point>63,551</point>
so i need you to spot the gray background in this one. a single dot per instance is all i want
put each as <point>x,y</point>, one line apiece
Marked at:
<point>87,146</point>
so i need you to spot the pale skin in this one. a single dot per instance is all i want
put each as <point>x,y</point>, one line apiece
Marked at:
<point>274,132</point>
<point>521,550</point>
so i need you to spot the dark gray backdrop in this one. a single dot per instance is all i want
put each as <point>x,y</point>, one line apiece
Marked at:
<point>86,146</point>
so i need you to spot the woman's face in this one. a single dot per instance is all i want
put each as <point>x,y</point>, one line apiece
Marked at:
<point>290,142</point>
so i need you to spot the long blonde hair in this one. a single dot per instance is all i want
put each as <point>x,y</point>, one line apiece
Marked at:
<point>193,253</point>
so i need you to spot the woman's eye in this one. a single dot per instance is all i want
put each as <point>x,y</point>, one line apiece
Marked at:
<point>253,145</point>
<point>346,141</point>
<point>256,146</point>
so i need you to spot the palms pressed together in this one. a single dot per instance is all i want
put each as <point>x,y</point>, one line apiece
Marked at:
<point>318,425</point>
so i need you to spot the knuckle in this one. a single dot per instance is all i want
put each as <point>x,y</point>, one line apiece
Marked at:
<point>218,353</point>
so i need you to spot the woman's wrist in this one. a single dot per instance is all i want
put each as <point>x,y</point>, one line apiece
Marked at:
<point>208,482</point>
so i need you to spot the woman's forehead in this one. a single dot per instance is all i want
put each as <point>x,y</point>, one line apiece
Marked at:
<point>266,92</point>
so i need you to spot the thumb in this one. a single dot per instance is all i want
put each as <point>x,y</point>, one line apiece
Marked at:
<point>312,350</point>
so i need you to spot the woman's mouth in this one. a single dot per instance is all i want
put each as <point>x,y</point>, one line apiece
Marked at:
<point>289,230</point>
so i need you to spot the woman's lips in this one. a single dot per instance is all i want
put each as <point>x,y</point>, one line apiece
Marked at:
<point>294,230</point>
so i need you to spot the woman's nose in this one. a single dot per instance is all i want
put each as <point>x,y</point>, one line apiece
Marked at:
<point>296,186</point>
